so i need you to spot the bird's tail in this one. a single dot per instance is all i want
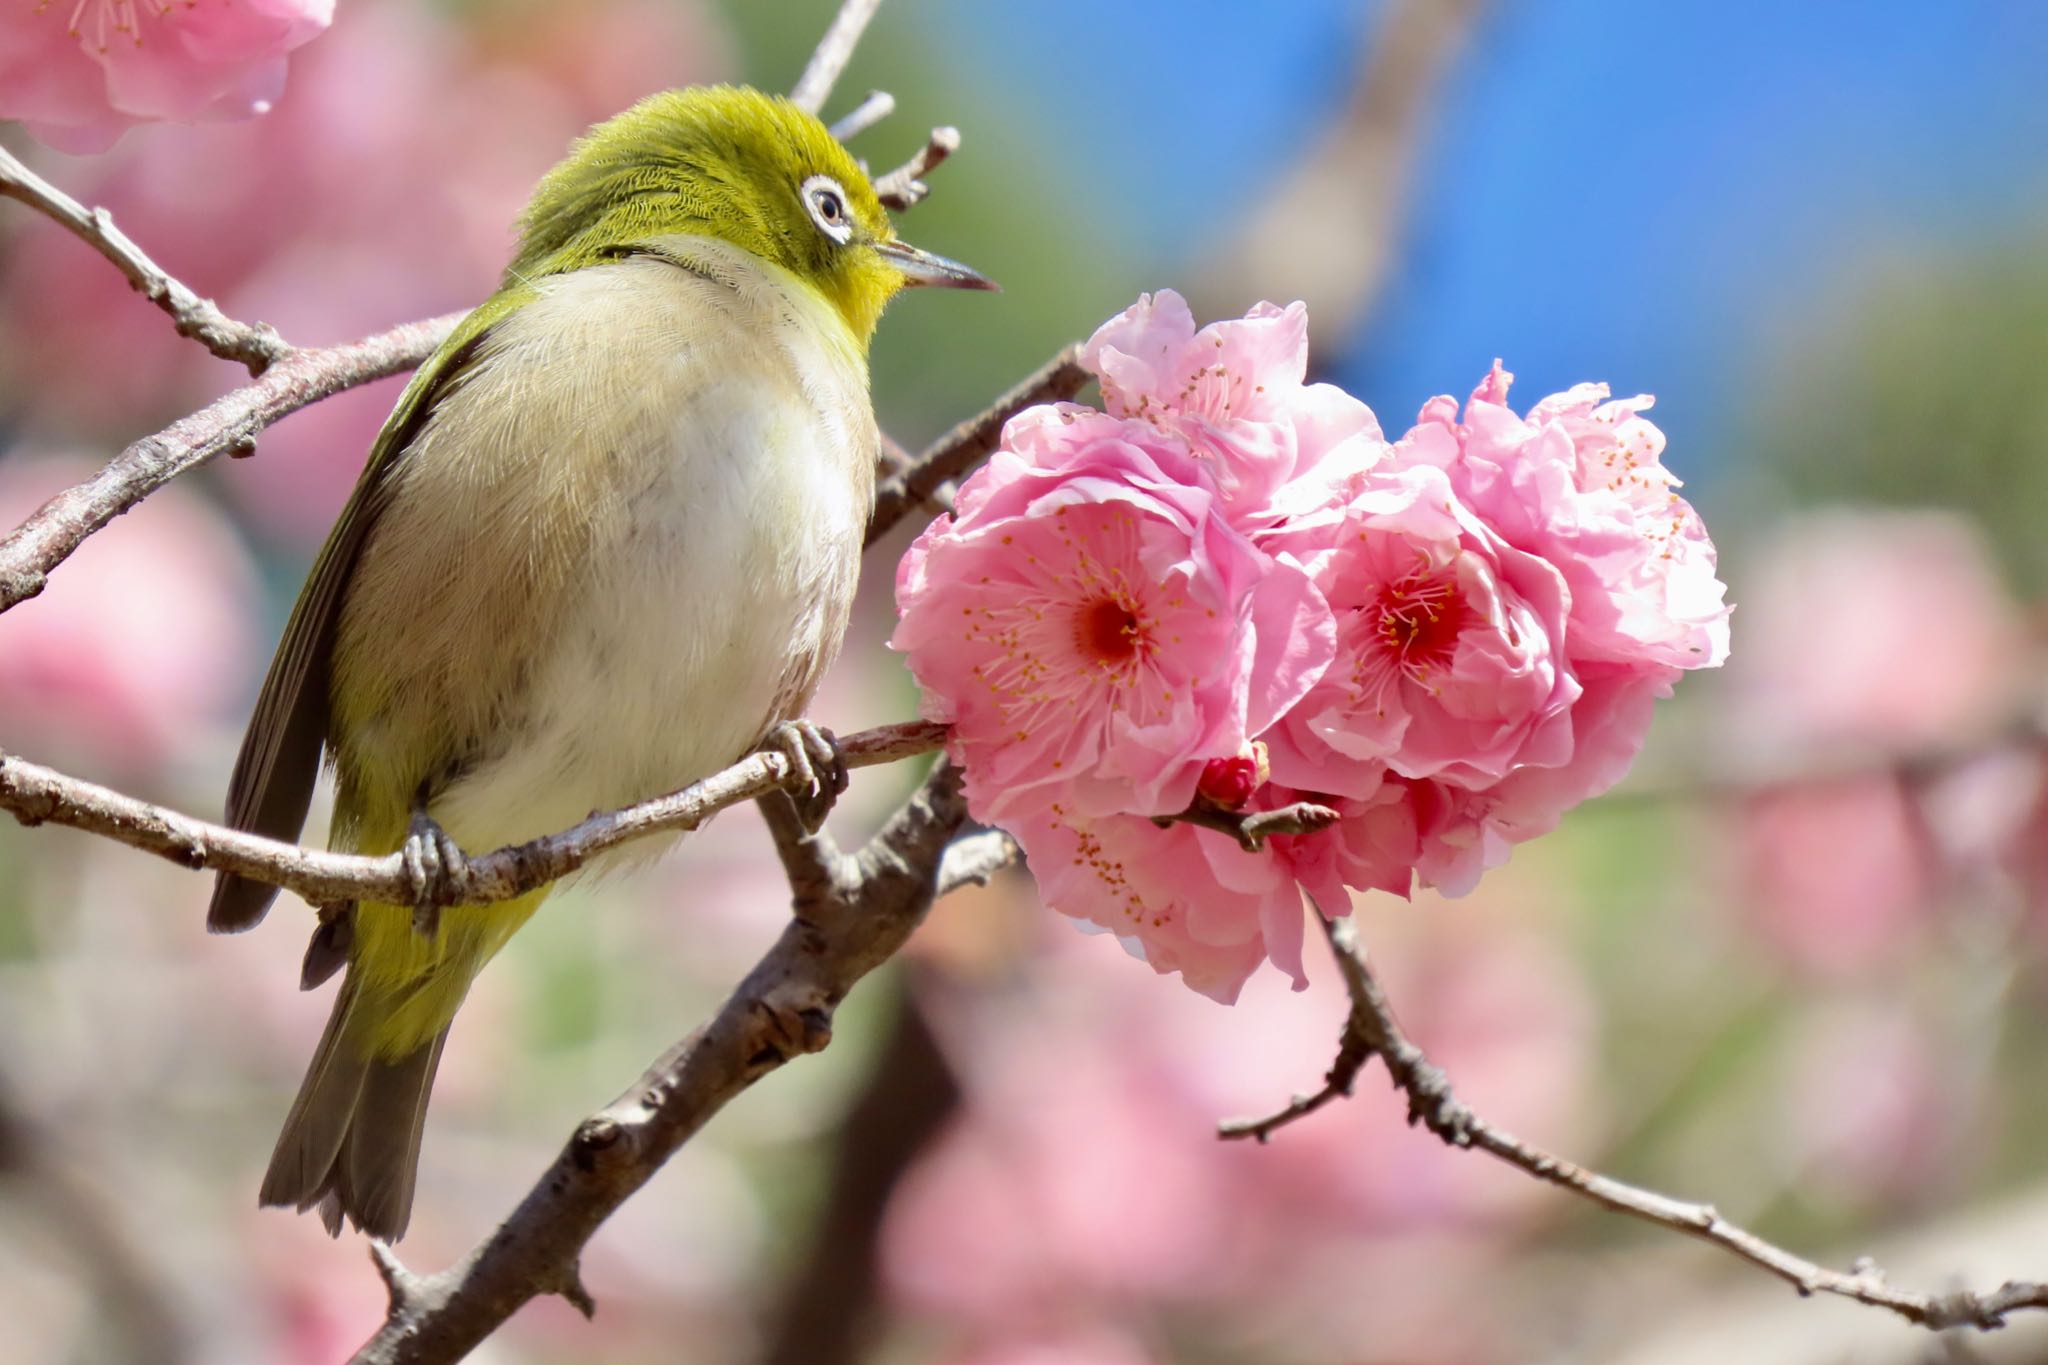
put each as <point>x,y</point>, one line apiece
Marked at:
<point>351,1143</point>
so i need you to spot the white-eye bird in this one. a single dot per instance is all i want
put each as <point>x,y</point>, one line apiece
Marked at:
<point>606,543</point>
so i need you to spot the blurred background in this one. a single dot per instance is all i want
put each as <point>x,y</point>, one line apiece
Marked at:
<point>1798,965</point>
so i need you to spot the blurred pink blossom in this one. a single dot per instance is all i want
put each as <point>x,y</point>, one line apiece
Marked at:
<point>1875,628</point>
<point>1867,630</point>
<point>80,72</point>
<point>1094,1345</point>
<point>1084,1183</point>
<point>142,637</point>
<point>1839,874</point>
<point>385,189</point>
<point>1872,1104</point>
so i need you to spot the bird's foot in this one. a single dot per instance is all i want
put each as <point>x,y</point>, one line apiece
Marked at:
<point>430,858</point>
<point>818,769</point>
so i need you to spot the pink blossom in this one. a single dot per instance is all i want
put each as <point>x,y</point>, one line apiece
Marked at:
<point>1234,391</point>
<point>383,190</point>
<point>1180,898</point>
<point>1093,629</point>
<point>1511,596</point>
<point>1580,483</point>
<point>1450,658</point>
<point>79,72</point>
<point>1228,587</point>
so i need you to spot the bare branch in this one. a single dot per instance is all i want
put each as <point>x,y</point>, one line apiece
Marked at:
<point>1372,1031</point>
<point>1252,828</point>
<point>875,106</point>
<point>810,858</point>
<point>254,345</point>
<point>968,443</point>
<point>833,52</point>
<point>782,1010</point>
<point>1735,772</point>
<point>35,795</point>
<point>904,187</point>
<point>827,1308</point>
<point>974,858</point>
<point>226,426</point>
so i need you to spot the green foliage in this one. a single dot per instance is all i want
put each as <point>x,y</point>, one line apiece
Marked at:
<point>1923,390</point>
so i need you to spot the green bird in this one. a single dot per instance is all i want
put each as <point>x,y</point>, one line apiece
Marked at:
<point>605,545</point>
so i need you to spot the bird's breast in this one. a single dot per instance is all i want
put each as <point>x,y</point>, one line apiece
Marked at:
<point>666,473</point>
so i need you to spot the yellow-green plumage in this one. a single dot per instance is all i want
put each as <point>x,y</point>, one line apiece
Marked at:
<point>606,541</point>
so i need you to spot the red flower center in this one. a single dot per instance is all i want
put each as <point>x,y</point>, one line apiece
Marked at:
<point>1418,620</point>
<point>1109,630</point>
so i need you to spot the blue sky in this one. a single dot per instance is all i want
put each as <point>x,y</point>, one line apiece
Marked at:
<point>1645,193</point>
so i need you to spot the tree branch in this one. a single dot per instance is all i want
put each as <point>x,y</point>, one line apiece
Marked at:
<point>828,1308</point>
<point>970,442</point>
<point>832,54</point>
<point>1372,1031</point>
<point>1327,232</point>
<point>782,1010</point>
<point>875,106</point>
<point>228,425</point>
<point>903,187</point>
<point>972,859</point>
<point>1251,828</point>
<point>254,345</point>
<point>36,795</point>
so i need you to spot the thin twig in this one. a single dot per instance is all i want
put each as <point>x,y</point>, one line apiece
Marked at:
<point>832,54</point>
<point>1252,828</point>
<point>1745,772</point>
<point>226,426</point>
<point>782,1010</point>
<point>875,106</point>
<point>251,344</point>
<point>904,187</point>
<point>36,795</point>
<point>967,444</point>
<point>1372,1031</point>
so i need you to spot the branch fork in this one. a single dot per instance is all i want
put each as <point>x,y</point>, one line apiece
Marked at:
<point>1370,1030</point>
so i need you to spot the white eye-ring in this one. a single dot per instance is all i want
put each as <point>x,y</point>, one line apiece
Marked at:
<point>828,208</point>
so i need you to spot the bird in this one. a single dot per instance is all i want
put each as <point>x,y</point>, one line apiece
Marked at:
<point>605,545</point>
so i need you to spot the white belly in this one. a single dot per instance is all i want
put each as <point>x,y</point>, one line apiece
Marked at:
<point>710,600</point>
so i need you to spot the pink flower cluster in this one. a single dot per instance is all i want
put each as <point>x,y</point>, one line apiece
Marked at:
<point>80,72</point>
<point>1228,592</point>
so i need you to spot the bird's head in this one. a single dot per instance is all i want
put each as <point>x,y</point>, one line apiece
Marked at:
<point>746,168</point>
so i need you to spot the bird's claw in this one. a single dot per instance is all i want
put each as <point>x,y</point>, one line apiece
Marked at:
<point>430,859</point>
<point>818,769</point>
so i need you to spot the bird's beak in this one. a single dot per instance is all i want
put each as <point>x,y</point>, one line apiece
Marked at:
<point>922,267</point>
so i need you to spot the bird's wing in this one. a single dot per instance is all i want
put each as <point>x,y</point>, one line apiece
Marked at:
<point>280,758</point>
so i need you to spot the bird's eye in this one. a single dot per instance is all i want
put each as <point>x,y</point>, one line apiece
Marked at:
<point>826,201</point>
